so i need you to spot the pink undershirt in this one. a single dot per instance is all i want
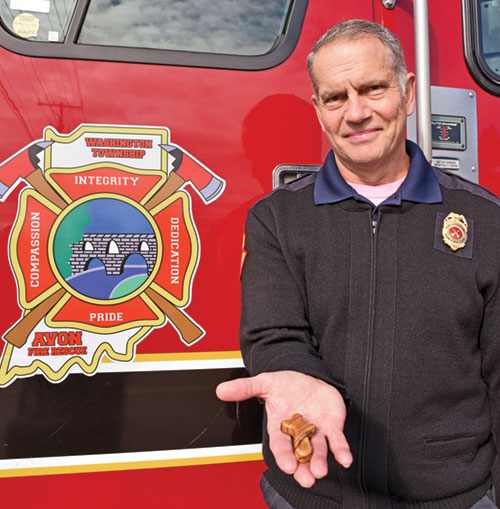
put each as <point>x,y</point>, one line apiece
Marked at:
<point>377,194</point>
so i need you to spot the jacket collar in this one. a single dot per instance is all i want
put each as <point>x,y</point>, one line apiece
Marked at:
<point>420,185</point>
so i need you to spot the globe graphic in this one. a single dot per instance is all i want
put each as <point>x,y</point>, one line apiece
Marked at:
<point>105,248</point>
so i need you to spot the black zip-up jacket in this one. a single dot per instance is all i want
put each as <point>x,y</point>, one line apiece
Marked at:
<point>374,302</point>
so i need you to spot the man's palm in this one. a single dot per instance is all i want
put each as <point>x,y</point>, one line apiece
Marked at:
<point>286,393</point>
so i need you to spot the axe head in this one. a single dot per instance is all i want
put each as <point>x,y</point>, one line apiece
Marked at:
<point>208,185</point>
<point>19,166</point>
<point>176,155</point>
<point>35,149</point>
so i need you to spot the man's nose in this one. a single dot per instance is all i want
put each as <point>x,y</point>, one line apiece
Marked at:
<point>357,109</point>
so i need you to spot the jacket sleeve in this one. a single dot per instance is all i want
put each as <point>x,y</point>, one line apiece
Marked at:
<point>489,343</point>
<point>275,333</point>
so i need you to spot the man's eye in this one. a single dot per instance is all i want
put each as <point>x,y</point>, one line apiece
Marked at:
<point>332,101</point>
<point>376,88</point>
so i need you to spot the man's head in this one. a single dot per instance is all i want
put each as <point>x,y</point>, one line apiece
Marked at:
<point>362,96</point>
<point>357,29</point>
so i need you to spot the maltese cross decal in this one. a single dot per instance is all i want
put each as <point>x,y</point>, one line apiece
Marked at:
<point>104,246</point>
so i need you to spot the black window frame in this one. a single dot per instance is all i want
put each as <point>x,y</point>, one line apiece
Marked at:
<point>71,49</point>
<point>474,59</point>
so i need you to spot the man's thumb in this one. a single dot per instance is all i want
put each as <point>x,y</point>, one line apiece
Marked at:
<point>237,390</point>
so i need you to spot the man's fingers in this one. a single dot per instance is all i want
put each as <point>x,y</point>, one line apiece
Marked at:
<point>319,465</point>
<point>281,447</point>
<point>304,476</point>
<point>340,449</point>
<point>307,473</point>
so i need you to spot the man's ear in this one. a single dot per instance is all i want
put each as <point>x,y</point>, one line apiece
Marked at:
<point>317,109</point>
<point>410,94</point>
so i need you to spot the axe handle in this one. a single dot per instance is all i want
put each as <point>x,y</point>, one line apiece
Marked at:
<point>188,330</point>
<point>18,334</point>
<point>174,182</point>
<point>39,182</point>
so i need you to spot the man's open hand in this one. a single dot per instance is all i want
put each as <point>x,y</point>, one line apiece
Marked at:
<point>289,392</point>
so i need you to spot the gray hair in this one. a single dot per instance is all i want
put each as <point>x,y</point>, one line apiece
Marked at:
<point>353,29</point>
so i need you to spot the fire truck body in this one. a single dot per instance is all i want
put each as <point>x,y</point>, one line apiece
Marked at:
<point>135,137</point>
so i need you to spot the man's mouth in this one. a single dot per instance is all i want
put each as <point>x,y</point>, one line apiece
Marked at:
<point>361,136</point>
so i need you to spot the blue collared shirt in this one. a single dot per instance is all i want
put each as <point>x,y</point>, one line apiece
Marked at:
<point>420,185</point>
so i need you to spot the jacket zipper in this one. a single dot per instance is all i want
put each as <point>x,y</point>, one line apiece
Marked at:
<point>368,363</point>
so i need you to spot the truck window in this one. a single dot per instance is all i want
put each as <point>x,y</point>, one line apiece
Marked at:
<point>482,42</point>
<point>37,20</point>
<point>489,33</point>
<point>241,34</point>
<point>219,26</point>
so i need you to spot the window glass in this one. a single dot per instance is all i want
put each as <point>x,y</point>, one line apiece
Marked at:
<point>236,27</point>
<point>37,20</point>
<point>489,33</point>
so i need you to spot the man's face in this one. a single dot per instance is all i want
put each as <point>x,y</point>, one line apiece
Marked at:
<point>360,104</point>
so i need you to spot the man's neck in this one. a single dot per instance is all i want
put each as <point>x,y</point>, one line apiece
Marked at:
<point>374,175</point>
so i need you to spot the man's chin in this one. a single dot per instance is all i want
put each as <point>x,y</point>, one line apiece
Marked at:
<point>362,159</point>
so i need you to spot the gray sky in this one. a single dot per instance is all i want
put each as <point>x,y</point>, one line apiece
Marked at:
<point>219,26</point>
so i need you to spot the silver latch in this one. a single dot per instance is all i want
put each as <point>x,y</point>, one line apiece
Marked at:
<point>388,4</point>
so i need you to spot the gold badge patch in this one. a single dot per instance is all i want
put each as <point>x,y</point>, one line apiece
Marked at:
<point>455,231</point>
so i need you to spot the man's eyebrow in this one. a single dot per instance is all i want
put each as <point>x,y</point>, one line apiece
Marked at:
<point>369,82</point>
<point>375,81</point>
<point>333,92</point>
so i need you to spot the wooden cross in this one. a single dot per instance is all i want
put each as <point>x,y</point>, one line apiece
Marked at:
<point>301,432</point>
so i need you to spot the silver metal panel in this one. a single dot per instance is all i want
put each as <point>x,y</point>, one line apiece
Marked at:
<point>285,173</point>
<point>461,103</point>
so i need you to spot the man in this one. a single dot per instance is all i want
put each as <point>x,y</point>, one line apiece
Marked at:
<point>371,304</point>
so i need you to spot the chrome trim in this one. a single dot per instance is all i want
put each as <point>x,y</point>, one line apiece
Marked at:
<point>422,64</point>
<point>388,4</point>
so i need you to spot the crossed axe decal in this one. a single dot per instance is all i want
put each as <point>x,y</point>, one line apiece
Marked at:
<point>25,165</point>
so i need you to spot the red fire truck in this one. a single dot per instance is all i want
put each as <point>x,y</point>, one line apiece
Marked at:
<point>135,135</point>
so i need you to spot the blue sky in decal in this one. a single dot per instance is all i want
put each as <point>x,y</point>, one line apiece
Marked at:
<point>114,216</point>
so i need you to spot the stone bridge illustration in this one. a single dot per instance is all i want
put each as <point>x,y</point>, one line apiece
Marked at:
<point>113,249</point>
